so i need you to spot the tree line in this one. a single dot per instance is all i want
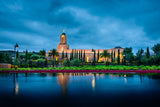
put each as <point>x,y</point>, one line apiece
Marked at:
<point>30,59</point>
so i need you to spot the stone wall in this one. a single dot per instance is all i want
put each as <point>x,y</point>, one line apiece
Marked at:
<point>3,65</point>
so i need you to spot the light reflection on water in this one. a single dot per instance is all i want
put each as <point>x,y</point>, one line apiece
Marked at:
<point>72,87</point>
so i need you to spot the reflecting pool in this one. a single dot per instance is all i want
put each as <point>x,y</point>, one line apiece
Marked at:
<point>79,89</point>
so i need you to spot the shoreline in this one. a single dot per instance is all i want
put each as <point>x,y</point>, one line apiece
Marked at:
<point>81,71</point>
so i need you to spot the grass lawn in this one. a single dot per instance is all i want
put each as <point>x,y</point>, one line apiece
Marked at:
<point>98,67</point>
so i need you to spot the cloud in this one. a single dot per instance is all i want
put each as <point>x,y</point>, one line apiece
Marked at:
<point>99,24</point>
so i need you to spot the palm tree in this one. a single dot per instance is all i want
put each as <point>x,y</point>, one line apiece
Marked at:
<point>54,53</point>
<point>105,54</point>
<point>42,52</point>
<point>50,54</point>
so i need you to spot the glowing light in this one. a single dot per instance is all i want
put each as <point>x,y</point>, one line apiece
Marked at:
<point>87,59</point>
<point>16,88</point>
<point>125,80</point>
<point>62,49</point>
<point>93,82</point>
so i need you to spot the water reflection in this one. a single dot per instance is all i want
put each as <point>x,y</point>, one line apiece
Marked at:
<point>62,80</point>
<point>93,82</point>
<point>79,88</point>
<point>16,85</point>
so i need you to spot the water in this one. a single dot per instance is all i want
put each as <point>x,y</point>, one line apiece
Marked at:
<point>79,89</point>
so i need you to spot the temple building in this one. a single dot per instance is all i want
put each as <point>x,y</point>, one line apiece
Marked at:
<point>89,53</point>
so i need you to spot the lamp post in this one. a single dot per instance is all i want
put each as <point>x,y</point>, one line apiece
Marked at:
<point>94,57</point>
<point>16,46</point>
<point>124,59</point>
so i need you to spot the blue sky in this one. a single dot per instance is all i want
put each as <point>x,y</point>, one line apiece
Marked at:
<point>98,24</point>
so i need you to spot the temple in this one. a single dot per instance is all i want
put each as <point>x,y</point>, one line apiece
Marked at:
<point>89,53</point>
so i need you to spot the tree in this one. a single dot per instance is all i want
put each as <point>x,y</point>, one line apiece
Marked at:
<point>66,55</point>
<point>147,53</point>
<point>50,55</point>
<point>7,58</point>
<point>42,53</point>
<point>94,58</point>
<point>128,55</point>
<point>156,49</point>
<point>41,62</point>
<point>139,56</point>
<point>29,55</point>
<point>84,56</point>
<point>34,57</point>
<point>54,53</point>
<point>98,56</point>
<point>105,54</point>
<point>71,55</point>
<point>112,56</point>
<point>1,57</point>
<point>118,58</point>
<point>79,55</point>
<point>75,62</point>
<point>62,54</point>
<point>76,54</point>
<point>26,55</point>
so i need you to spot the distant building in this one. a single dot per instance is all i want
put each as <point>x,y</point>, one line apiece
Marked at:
<point>89,54</point>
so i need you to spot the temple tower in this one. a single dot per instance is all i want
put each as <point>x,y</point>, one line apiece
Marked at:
<point>63,43</point>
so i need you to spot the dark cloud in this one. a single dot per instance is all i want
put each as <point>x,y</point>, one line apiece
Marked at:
<point>37,24</point>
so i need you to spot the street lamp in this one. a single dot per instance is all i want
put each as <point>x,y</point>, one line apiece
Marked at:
<point>124,59</point>
<point>16,46</point>
<point>94,57</point>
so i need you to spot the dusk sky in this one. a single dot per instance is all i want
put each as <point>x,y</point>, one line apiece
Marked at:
<point>98,24</point>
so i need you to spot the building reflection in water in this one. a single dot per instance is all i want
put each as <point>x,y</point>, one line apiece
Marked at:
<point>63,80</point>
<point>140,78</point>
<point>125,78</point>
<point>15,83</point>
<point>93,83</point>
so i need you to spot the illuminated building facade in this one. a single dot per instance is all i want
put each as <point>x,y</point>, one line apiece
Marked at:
<point>89,54</point>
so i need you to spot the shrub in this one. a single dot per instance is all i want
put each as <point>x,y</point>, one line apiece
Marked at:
<point>135,68</point>
<point>154,67</point>
<point>39,68</point>
<point>65,63</point>
<point>50,68</point>
<point>41,62</point>
<point>127,68</point>
<point>75,62</point>
<point>144,68</point>
<point>4,69</point>
<point>158,67</point>
<point>121,68</point>
<point>35,57</point>
<point>45,68</point>
<point>28,69</point>
<point>34,68</point>
<point>12,69</point>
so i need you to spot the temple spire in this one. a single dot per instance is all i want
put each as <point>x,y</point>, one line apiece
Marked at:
<point>63,30</point>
